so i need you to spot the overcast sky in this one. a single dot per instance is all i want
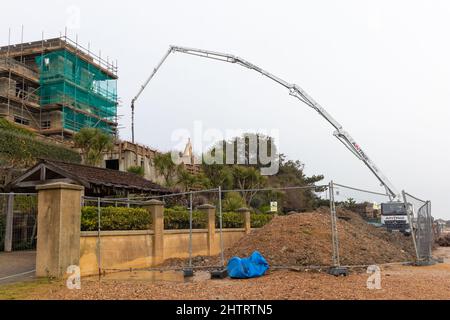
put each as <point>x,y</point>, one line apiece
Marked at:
<point>381,68</point>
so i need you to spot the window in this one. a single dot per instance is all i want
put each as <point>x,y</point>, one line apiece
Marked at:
<point>45,124</point>
<point>22,121</point>
<point>112,164</point>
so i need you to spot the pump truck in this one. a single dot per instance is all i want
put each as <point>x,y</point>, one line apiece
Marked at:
<point>394,214</point>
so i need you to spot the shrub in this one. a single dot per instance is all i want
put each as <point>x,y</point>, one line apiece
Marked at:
<point>259,220</point>
<point>178,218</point>
<point>119,218</point>
<point>230,220</point>
<point>11,127</point>
<point>264,208</point>
<point>233,201</point>
<point>136,170</point>
<point>115,218</point>
<point>23,150</point>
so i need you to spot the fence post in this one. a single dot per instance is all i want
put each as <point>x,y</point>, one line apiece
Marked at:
<point>9,223</point>
<point>156,209</point>
<point>247,223</point>
<point>411,224</point>
<point>211,213</point>
<point>58,234</point>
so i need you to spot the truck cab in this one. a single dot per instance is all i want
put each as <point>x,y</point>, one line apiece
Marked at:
<point>394,217</point>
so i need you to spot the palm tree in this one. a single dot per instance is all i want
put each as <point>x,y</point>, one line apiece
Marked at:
<point>165,166</point>
<point>93,142</point>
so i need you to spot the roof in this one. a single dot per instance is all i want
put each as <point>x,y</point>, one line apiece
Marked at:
<point>49,45</point>
<point>89,177</point>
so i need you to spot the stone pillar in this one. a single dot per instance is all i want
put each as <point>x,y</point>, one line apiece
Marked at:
<point>247,223</point>
<point>58,234</point>
<point>156,209</point>
<point>211,213</point>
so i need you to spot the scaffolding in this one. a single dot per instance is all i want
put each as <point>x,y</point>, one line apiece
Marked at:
<point>57,87</point>
<point>87,95</point>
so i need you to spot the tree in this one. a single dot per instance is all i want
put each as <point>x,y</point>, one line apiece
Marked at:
<point>291,174</point>
<point>248,178</point>
<point>218,175</point>
<point>136,170</point>
<point>93,142</point>
<point>350,204</point>
<point>189,181</point>
<point>166,167</point>
<point>185,179</point>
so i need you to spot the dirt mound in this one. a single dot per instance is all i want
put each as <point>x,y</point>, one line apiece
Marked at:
<point>305,239</point>
<point>444,241</point>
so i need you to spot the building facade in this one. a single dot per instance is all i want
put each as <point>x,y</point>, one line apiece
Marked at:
<point>126,154</point>
<point>56,87</point>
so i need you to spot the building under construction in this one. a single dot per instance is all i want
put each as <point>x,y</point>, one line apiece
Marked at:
<point>56,87</point>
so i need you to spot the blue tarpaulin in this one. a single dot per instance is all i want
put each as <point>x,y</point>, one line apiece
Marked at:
<point>244,268</point>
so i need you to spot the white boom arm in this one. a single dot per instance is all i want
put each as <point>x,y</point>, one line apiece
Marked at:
<point>294,90</point>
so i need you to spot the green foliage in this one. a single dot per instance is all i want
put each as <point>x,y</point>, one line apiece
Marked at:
<point>21,150</point>
<point>230,220</point>
<point>165,166</point>
<point>350,204</point>
<point>115,218</point>
<point>218,175</point>
<point>258,220</point>
<point>250,178</point>
<point>11,127</point>
<point>233,201</point>
<point>185,179</point>
<point>236,220</point>
<point>178,218</point>
<point>136,170</point>
<point>25,203</point>
<point>291,173</point>
<point>264,208</point>
<point>93,142</point>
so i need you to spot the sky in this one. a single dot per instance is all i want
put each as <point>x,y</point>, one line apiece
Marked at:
<point>380,68</point>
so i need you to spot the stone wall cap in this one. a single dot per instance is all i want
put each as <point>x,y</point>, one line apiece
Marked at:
<point>155,202</point>
<point>59,185</point>
<point>243,209</point>
<point>206,206</point>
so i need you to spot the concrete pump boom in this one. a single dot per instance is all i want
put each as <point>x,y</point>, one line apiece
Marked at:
<point>295,91</point>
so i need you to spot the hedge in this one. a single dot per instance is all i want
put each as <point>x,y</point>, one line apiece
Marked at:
<point>179,219</point>
<point>120,218</point>
<point>19,148</point>
<point>115,218</point>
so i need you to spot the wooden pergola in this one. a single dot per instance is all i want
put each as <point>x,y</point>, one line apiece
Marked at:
<point>96,181</point>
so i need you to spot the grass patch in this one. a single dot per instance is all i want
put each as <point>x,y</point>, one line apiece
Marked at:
<point>26,290</point>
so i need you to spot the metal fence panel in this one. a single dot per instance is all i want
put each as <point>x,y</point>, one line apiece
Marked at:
<point>424,233</point>
<point>422,222</point>
<point>18,221</point>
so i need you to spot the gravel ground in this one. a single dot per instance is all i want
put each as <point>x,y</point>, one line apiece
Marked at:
<point>398,282</point>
